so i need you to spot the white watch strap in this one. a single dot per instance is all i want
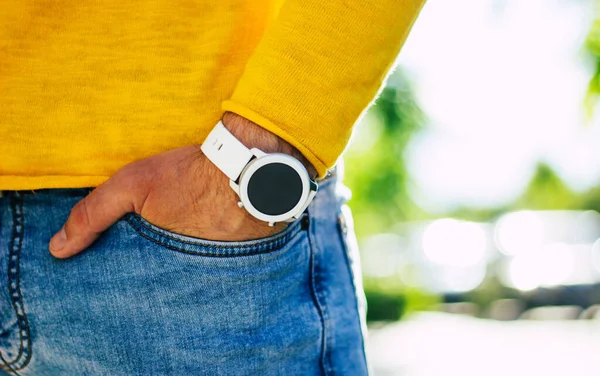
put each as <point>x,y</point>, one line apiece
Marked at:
<point>226,151</point>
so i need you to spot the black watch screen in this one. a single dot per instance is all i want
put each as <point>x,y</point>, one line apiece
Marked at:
<point>275,189</point>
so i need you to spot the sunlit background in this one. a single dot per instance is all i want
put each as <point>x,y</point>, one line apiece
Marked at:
<point>476,193</point>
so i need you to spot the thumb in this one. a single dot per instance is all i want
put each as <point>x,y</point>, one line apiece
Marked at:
<point>90,217</point>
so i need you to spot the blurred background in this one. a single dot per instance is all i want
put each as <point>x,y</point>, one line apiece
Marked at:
<point>476,193</point>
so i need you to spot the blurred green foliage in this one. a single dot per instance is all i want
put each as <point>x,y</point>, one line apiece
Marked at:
<point>377,173</point>
<point>389,300</point>
<point>592,47</point>
<point>546,191</point>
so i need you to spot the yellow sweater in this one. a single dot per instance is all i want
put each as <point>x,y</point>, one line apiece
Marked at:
<point>89,86</point>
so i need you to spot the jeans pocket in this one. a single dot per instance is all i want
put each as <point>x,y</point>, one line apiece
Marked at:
<point>143,301</point>
<point>213,248</point>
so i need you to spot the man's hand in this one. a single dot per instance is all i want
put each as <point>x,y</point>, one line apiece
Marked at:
<point>179,190</point>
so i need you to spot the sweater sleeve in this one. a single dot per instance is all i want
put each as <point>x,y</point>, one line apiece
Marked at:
<point>317,68</point>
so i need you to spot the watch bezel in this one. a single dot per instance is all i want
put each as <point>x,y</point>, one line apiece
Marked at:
<point>264,160</point>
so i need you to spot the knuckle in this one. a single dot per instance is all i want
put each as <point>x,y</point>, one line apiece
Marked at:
<point>79,217</point>
<point>132,176</point>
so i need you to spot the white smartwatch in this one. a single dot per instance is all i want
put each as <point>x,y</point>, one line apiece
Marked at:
<point>272,187</point>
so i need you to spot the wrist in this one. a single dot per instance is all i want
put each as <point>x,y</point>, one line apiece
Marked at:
<point>254,136</point>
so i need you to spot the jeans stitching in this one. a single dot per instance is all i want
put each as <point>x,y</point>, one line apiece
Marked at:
<point>320,308</point>
<point>164,233</point>
<point>16,296</point>
<point>267,246</point>
<point>352,276</point>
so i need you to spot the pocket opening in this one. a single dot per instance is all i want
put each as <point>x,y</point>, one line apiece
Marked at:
<point>213,248</point>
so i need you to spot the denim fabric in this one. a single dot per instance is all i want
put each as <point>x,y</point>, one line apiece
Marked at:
<point>145,301</point>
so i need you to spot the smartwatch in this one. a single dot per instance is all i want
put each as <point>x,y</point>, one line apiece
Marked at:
<point>273,187</point>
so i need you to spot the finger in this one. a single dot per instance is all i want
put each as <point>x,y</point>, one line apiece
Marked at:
<point>90,217</point>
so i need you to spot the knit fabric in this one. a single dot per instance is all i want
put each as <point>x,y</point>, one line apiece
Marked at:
<point>87,87</point>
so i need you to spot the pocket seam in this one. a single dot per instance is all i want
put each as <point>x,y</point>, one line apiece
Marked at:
<point>318,301</point>
<point>267,245</point>
<point>342,230</point>
<point>14,262</point>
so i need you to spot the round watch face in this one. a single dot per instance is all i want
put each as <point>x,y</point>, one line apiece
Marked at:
<point>275,189</point>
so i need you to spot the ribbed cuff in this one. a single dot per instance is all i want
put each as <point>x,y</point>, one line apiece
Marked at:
<point>267,124</point>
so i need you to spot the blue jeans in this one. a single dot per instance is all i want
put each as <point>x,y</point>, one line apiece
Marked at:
<point>145,301</point>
